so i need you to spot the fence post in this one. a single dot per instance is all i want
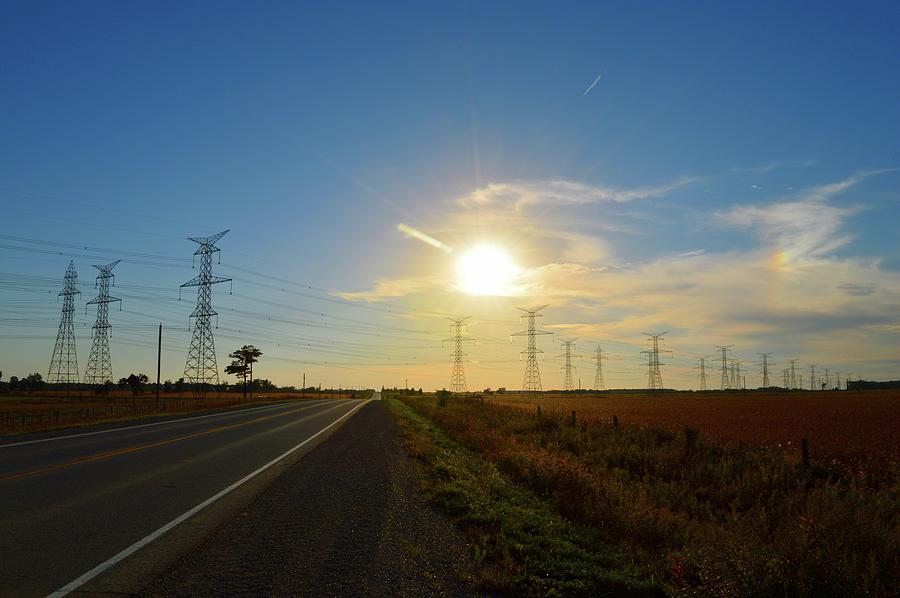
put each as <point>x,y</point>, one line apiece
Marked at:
<point>538,410</point>
<point>804,448</point>
<point>573,418</point>
<point>615,421</point>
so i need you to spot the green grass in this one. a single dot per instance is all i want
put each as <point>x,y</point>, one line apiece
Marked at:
<point>523,546</point>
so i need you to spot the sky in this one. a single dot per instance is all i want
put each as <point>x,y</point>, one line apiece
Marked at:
<point>729,173</point>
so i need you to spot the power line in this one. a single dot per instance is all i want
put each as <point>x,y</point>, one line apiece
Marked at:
<point>532,383</point>
<point>654,376</point>
<point>457,371</point>
<point>64,361</point>
<point>765,368</point>
<point>793,375</point>
<point>99,366</point>
<point>200,366</point>
<point>724,350</point>
<point>568,382</point>
<point>598,373</point>
<point>702,368</point>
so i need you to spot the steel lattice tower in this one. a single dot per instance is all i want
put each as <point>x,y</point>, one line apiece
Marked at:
<point>765,368</point>
<point>532,383</point>
<point>793,374</point>
<point>654,376</point>
<point>200,367</point>
<point>64,361</point>
<point>457,372</point>
<point>724,350</point>
<point>812,376</point>
<point>702,368</point>
<point>568,382</point>
<point>599,384</point>
<point>99,366</point>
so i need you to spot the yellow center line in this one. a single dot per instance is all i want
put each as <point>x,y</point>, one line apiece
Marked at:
<point>140,447</point>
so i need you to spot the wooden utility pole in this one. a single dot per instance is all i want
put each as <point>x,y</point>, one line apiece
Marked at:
<point>158,362</point>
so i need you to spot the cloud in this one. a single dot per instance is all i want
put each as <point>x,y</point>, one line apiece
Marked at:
<point>392,288</point>
<point>768,167</point>
<point>799,229</point>
<point>808,226</point>
<point>822,309</point>
<point>857,289</point>
<point>522,194</point>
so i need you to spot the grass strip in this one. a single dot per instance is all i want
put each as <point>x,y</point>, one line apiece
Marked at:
<point>524,547</point>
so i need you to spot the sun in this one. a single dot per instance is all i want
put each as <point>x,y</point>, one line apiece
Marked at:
<point>486,270</point>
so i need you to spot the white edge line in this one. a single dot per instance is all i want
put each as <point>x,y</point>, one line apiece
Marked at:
<point>80,581</point>
<point>168,421</point>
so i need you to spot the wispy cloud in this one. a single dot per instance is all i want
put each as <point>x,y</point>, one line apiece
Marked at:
<point>808,226</point>
<point>526,193</point>
<point>768,167</point>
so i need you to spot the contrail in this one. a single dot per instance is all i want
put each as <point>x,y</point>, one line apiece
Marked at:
<point>591,86</point>
<point>417,234</point>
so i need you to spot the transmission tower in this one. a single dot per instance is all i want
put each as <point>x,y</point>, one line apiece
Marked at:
<point>568,382</point>
<point>793,378</point>
<point>827,380</point>
<point>654,376</point>
<point>457,337</point>
<point>724,350</point>
<point>532,373</point>
<point>702,368</point>
<point>837,380</point>
<point>785,380</point>
<point>64,361</point>
<point>765,368</point>
<point>599,384</point>
<point>200,367</point>
<point>812,376</point>
<point>99,366</point>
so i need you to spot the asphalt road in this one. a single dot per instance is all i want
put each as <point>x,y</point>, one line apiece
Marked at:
<point>72,501</point>
<point>349,519</point>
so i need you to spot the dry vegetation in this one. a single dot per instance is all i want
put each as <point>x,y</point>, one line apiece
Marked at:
<point>860,429</point>
<point>32,413</point>
<point>700,516</point>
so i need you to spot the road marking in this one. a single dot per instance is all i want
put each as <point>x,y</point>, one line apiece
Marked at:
<point>80,581</point>
<point>168,421</point>
<point>140,447</point>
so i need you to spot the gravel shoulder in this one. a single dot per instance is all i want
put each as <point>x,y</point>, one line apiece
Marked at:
<point>349,519</point>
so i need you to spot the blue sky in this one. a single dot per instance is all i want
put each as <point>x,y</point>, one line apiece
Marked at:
<point>718,136</point>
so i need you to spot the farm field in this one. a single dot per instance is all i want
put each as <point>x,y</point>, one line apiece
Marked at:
<point>860,429</point>
<point>22,413</point>
<point>700,514</point>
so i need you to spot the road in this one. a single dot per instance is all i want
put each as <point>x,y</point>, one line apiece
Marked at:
<point>349,519</point>
<point>73,504</point>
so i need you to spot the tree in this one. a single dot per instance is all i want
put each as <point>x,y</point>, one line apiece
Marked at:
<point>239,369</point>
<point>136,382</point>
<point>242,363</point>
<point>34,381</point>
